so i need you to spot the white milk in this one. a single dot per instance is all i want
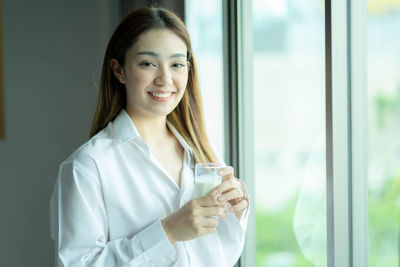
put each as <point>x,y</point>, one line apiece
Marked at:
<point>205,183</point>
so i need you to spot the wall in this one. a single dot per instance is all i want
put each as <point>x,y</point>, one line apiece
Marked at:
<point>176,6</point>
<point>52,60</point>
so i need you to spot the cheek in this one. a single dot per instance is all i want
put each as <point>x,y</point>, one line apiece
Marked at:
<point>182,81</point>
<point>136,84</point>
<point>138,79</point>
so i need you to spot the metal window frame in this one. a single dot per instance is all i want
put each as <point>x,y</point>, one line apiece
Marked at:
<point>359,132</point>
<point>346,123</point>
<point>246,121</point>
<point>338,134</point>
<point>231,81</point>
<point>346,129</point>
<point>238,47</point>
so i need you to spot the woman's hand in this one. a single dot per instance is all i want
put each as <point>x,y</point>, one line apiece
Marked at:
<point>194,219</point>
<point>231,190</point>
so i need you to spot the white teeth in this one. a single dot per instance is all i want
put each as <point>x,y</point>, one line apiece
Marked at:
<point>160,95</point>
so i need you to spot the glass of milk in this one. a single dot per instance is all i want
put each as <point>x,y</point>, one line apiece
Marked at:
<point>206,178</point>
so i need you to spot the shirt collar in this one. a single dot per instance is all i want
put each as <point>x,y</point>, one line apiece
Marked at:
<point>124,130</point>
<point>189,160</point>
<point>181,140</point>
<point>123,127</point>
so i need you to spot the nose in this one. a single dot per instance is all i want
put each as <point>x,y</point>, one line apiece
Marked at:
<point>164,76</point>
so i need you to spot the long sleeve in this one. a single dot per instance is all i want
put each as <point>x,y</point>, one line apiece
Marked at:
<point>109,197</point>
<point>79,227</point>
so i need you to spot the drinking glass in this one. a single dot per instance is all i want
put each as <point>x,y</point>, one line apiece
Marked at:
<point>206,178</point>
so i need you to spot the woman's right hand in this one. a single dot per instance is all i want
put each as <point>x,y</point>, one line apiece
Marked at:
<point>194,219</point>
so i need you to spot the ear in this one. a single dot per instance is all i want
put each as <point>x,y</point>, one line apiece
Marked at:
<point>117,70</point>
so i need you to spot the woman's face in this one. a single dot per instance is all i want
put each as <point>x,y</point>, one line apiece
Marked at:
<point>155,73</point>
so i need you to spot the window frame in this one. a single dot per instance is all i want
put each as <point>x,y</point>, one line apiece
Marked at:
<point>359,133</point>
<point>237,36</point>
<point>346,123</point>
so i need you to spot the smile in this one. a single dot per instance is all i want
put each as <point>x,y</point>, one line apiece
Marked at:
<point>161,95</point>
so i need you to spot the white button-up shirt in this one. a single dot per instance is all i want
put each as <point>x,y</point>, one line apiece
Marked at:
<point>110,196</point>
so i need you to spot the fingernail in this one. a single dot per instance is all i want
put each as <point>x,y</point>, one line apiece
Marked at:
<point>214,193</point>
<point>221,198</point>
<point>231,209</point>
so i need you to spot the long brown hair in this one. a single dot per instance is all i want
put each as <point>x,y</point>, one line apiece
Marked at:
<point>187,117</point>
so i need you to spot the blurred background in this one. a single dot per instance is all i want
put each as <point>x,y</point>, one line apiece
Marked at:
<point>52,57</point>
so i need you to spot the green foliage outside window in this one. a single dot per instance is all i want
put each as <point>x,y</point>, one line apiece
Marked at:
<point>276,241</point>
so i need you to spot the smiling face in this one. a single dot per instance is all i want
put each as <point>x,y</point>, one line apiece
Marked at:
<point>155,73</point>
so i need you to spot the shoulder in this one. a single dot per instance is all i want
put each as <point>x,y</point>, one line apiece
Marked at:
<point>88,154</point>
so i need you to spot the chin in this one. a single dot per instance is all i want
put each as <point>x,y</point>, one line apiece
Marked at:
<point>162,113</point>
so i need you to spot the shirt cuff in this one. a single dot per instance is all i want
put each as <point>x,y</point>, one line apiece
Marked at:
<point>157,246</point>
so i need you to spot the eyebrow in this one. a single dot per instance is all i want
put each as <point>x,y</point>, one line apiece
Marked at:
<point>153,54</point>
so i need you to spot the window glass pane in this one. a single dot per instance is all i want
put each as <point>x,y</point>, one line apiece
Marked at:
<point>289,132</point>
<point>204,23</point>
<point>383,31</point>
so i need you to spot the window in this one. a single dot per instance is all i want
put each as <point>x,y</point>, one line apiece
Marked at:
<point>383,28</point>
<point>326,221</point>
<point>289,132</point>
<point>204,23</point>
<point>303,105</point>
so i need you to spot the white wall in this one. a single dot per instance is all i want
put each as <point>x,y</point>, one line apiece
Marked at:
<point>53,53</point>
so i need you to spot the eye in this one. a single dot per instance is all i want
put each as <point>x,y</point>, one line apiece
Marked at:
<point>147,64</point>
<point>178,65</point>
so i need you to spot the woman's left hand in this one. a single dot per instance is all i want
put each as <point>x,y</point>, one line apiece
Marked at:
<point>231,191</point>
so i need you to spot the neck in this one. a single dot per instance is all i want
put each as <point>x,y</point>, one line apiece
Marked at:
<point>151,129</point>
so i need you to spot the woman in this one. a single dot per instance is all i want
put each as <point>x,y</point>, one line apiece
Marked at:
<point>124,198</point>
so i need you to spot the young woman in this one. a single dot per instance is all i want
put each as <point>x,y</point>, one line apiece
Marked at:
<point>125,198</point>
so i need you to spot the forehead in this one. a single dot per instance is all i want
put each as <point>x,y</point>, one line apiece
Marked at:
<point>161,41</point>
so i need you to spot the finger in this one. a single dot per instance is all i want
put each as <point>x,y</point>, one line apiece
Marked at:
<point>213,211</point>
<point>230,195</point>
<point>227,172</point>
<point>209,201</point>
<point>225,186</point>
<point>210,222</point>
<point>239,207</point>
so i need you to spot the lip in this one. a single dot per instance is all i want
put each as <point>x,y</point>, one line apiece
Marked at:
<point>161,99</point>
<point>161,92</point>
